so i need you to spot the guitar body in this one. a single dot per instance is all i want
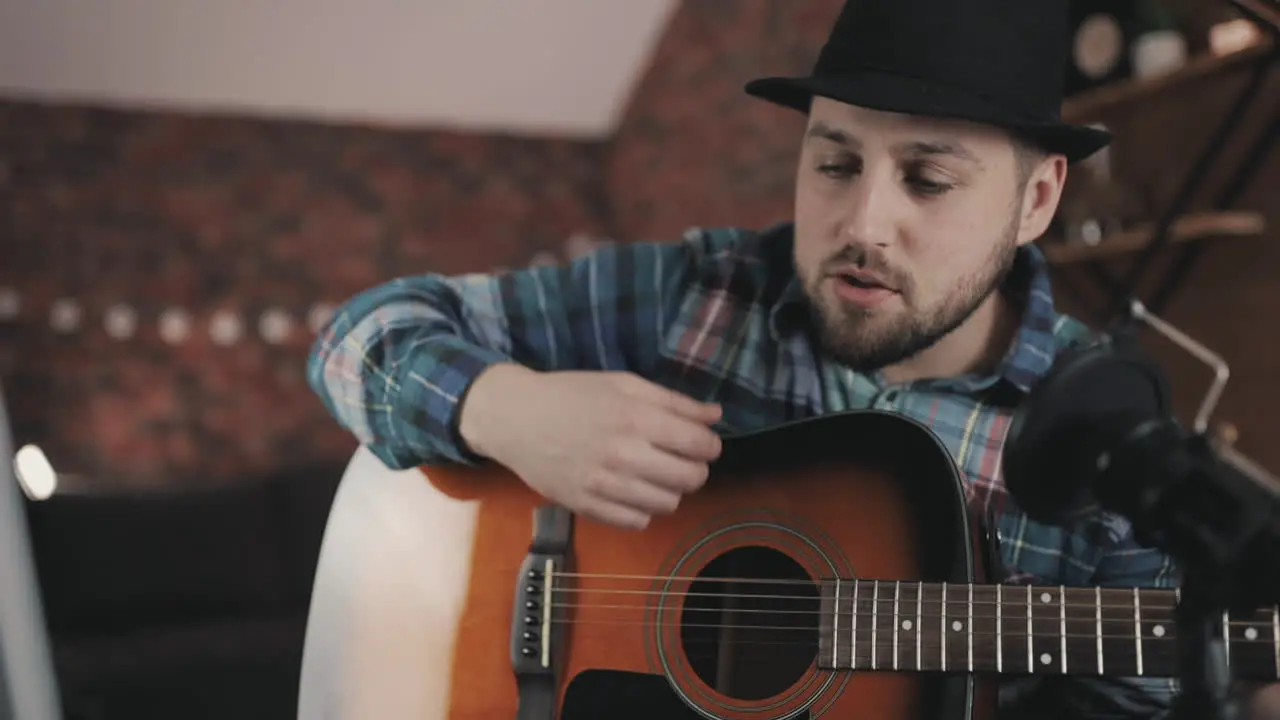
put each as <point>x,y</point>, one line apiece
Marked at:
<point>711,612</point>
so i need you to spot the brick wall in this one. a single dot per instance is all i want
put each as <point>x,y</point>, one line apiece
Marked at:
<point>694,149</point>
<point>159,211</point>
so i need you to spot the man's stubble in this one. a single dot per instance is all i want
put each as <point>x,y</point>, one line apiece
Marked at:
<point>863,341</point>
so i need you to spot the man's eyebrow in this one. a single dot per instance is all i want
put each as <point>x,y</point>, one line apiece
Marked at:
<point>942,147</point>
<point>822,131</point>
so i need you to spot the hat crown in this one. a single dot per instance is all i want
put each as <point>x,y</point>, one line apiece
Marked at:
<point>1012,53</point>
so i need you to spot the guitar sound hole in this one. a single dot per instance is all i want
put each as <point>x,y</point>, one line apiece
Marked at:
<point>750,623</point>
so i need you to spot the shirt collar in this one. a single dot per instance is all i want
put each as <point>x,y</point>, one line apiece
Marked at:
<point>1027,284</point>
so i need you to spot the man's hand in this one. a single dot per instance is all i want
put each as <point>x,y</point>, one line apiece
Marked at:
<point>611,446</point>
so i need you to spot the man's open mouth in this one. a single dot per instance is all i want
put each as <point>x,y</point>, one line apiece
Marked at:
<point>863,281</point>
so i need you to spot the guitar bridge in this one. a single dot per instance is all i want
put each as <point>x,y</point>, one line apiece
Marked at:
<point>540,613</point>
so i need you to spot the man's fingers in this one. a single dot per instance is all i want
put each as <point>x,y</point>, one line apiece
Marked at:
<point>633,488</point>
<point>706,413</point>
<point>615,514</point>
<point>681,436</point>
<point>649,464</point>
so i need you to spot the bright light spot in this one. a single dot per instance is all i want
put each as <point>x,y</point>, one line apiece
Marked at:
<point>275,326</point>
<point>225,328</point>
<point>35,474</point>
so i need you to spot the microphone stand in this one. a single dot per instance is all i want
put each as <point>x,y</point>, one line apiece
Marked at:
<point>1212,548</point>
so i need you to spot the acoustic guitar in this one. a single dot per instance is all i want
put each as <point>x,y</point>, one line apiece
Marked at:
<point>829,568</point>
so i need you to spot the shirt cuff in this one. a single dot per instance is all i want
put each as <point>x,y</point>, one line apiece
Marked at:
<point>433,389</point>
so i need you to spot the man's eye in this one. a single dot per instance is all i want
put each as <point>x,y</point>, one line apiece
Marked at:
<point>928,187</point>
<point>838,171</point>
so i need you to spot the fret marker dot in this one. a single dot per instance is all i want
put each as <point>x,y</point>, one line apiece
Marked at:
<point>1250,634</point>
<point>1045,659</point>
<point>906,624</point>
<point>957,626</point>
<point>1158,631</point>
<point>1045,597</point>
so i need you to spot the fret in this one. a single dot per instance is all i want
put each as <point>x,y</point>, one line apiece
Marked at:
<point>999,629</point>
<point>1031,634</point>
<point>944,630</point>
<point>985,652</point>
<point>897,621</point>
<point>955,629</point>
<point>907,626</point>
<point>919,628</point>
<point>1250,641</point>
<point>923,615</point>
<point>854,612</point>
<point>828,613</point>
<point>875,621</point>
<point>1097,595</point>
<point>1062,626</point>
<point>907,623</point>
<point>1047,644</point>
<point>928,617</point>
<point>1080,638</point>
<point>1154,619</point>
<point>1137,630</point>
<point>846,656</point>
<point>1119,640</point>
<point>969,626</point>
<point>1012,630</point>
<point>835,627</point>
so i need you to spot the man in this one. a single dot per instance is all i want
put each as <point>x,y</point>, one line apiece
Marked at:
<point>933,157</point>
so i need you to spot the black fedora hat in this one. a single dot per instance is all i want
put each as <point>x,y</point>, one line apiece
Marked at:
<point>998,62</point>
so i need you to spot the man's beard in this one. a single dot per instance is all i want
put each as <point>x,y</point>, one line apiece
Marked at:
<point>854,337</point>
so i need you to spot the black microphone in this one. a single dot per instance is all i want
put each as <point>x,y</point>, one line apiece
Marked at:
<point>1097,433</point>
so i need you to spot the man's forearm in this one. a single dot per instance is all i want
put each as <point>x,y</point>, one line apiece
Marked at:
<point>391,368</point>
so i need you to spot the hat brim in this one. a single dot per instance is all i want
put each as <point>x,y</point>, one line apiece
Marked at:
<point>896,93</point>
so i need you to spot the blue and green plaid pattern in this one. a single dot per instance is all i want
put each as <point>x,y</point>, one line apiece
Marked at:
<point>721,317</point>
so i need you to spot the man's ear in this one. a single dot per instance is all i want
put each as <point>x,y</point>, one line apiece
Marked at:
<point>1040,196</point>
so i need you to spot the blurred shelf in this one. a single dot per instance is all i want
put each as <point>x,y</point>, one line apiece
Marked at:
<point>1188,228</point>
<point>1084,107</point>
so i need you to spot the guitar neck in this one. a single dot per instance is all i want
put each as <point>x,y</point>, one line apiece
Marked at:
<point>1116,632</point>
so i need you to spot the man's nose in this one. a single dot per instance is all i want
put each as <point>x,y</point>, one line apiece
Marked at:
<point>868,209</point>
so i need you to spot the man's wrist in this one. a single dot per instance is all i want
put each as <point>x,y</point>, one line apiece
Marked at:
<point>482,410</point>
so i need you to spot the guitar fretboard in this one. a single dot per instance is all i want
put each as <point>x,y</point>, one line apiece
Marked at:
<point>1117,632</point>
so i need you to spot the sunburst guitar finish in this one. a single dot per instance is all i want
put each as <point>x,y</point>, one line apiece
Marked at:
<point>715,611</point>
<point>829,568</point>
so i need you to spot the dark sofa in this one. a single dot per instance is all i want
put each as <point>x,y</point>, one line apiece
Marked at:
<point>185,605</point>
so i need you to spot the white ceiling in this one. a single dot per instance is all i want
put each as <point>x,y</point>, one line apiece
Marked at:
<point>562,67</point>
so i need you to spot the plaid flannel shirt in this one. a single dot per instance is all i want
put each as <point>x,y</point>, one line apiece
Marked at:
<point>721,317</point>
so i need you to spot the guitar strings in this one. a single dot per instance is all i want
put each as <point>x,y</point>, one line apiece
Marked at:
<point>763,651</point>
<point>894,628</point>
<point>1149,613</point>
<point>848,581</point>
<point>864,611</point>
<point>963,599</point>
